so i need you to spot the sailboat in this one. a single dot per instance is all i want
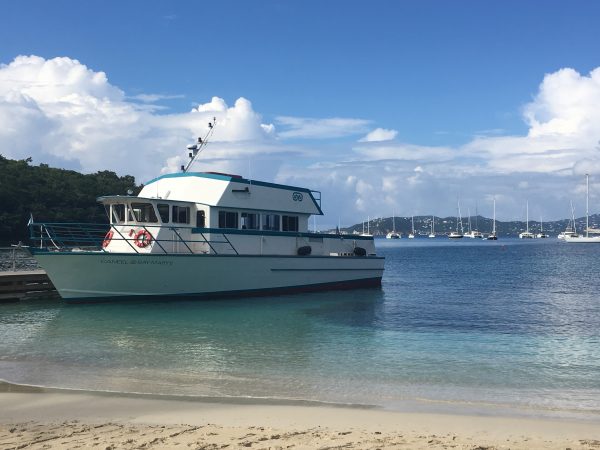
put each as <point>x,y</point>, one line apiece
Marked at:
<point>432,234</point>
<point>571,229</point>
<point>473,233</point>
<point>492,236</point>
<point>456,234</point>
<point>368,233</point>
<point>526,234</point>
<point>541,234</point>
<point>587,238</point>
<point>412,233</point>
<point>393,234</point>
<point>469,233</point>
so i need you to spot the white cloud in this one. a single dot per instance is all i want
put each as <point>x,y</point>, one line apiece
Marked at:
<point>379,134</point>
<point>152,98</point>
<point>63,113</point>
<point>314,128</point>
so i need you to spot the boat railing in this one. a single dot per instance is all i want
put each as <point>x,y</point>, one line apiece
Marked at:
<point>71,237</point>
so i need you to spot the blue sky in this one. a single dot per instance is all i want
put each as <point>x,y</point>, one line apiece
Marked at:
<point>445,79</point>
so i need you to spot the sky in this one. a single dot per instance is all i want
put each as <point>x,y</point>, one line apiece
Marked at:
<point>386,107</point>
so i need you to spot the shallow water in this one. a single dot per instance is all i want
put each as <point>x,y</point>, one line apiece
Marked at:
<point>503,324</point>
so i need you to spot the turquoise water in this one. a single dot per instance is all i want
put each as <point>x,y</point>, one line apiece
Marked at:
<point>511,323</point>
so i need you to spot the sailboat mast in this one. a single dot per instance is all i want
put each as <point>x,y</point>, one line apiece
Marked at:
<point>494,222</point>
<point>587,205</point>
<point>527,216</point>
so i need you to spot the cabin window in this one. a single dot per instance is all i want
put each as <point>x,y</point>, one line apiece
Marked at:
<point>163,212</point>
<point>270,222</point>
<point>142,212</point>
<point>200,219</point>
<point>180,214</point>
<point>228,219</point>
<point>250,221</point>
<point>118,213</point>
<point>289,223</point>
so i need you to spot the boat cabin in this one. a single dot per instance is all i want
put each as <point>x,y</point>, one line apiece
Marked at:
<point>215,213</point>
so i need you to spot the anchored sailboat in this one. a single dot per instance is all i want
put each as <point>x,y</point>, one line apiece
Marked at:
<point>571,229</point>
<point>393,234</point>
<point>526,234</point>
<point>432,234</point>
<point>541,234</point>
<point>412,233</point>
<point>492,236</point>
<point>587,238</point>
<point>456,234</point>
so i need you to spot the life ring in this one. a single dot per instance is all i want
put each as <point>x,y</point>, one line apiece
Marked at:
<point>107,239</point>
<point>142,238</point>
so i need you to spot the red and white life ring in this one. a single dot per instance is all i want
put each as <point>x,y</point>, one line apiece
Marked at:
<point>142,238</point>
<point>107,239</point>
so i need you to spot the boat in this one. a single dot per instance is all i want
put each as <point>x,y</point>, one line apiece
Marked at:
<point>368,233</point>
<point>411,235</point>
<point>203,234</point>
<point>571,229</point>
<point>587,239</point>
<point>541,234</point>
<point>456,234</point>
<point>393,234</point>
<point>432,234</point>
<point>473,233</point>
<point>526,234</point>
<point>493,236</point>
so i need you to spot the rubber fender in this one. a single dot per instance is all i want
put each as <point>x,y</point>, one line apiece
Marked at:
<point>359,251</point>
<point>305,250</point>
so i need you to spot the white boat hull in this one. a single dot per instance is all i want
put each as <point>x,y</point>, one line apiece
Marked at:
<point>85,276</point>
<point>582,239</point>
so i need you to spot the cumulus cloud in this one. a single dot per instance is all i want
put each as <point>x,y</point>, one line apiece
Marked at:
<point>379,134</point>
<point>61,112</point>
<point>545,165</point>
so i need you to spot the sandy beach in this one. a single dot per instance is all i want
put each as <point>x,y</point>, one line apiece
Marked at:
<point>43,418</point>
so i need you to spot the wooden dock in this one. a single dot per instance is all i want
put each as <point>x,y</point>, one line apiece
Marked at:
<point>15,286</point>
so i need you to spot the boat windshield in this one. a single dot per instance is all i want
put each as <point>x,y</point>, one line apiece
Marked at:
<point>117,214</point>
<point>142,212</point>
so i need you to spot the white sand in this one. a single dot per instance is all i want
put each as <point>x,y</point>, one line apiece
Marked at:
<point>65,420</point>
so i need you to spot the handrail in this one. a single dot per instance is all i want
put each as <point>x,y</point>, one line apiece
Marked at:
<point>85,236</point>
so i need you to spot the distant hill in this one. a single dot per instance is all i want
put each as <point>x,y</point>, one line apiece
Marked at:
<point>444,225</point>
<point>52,195</point>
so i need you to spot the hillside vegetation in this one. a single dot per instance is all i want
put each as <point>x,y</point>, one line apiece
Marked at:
<point>52,195</point>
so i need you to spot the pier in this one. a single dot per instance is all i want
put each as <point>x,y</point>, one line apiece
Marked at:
<point>16,285</point>
<point>21,277</point>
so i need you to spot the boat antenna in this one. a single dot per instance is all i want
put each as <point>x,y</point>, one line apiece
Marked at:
<point>195,149</point>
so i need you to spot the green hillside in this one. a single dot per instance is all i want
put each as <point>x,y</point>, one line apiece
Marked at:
<point>52,195</point>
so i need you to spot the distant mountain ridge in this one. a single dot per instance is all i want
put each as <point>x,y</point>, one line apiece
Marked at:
<point>444,225</point>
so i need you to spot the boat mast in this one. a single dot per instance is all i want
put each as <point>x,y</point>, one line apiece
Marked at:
<point>196,148</point>
<point>587,205</point>
<point>494,221</point>
<point>527,216</point>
